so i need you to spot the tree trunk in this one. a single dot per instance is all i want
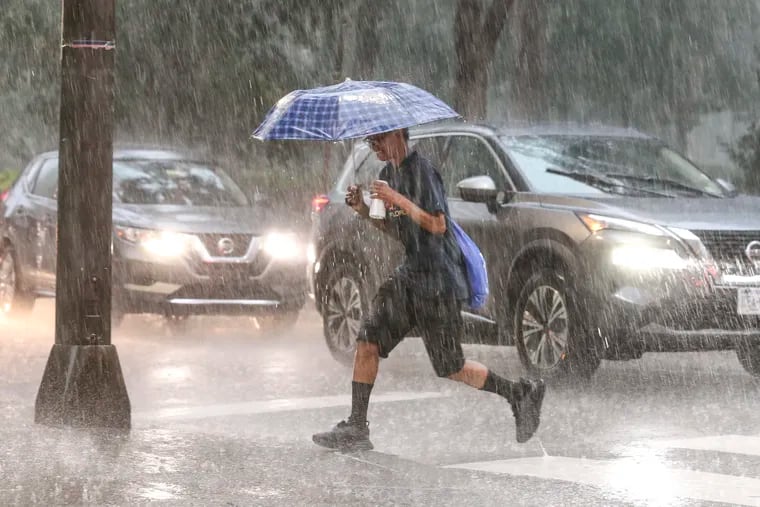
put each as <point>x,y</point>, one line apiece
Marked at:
<point>530,88</point>
<point>367,46</point>
<point>476,31</point>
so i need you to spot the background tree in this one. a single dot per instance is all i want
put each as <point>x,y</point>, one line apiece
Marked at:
<point>203,74</point>
<point>745,153</point>
<point>652,64</point>
<point>477,28</point>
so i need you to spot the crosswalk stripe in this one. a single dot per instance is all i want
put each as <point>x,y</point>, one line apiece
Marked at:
<point>642,479</point>
<point>735,444</point>
<point>279,405</point>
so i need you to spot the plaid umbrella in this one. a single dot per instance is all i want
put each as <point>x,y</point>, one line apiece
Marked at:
<point>349,110</point>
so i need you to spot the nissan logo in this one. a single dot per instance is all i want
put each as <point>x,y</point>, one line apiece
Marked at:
<point>226,246</point>
<point>753,252</point>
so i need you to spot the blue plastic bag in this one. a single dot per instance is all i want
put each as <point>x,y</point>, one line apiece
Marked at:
<point>475,264</point>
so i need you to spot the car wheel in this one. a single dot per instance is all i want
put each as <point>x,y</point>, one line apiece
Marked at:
<point>14,302</point>
<point>551,336</point>
<point>344,303</point>
<point>749,356</point>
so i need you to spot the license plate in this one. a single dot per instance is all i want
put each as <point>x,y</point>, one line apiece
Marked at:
<point>748,302</point>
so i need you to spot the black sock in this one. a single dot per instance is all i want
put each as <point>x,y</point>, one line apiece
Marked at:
<point>503,387</point>
<point>359,401</point>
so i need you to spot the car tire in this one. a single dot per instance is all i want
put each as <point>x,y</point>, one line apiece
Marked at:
<point>748,353</point>
<point>344,302</point>
<point>14,301</point>
<point>551,333</point>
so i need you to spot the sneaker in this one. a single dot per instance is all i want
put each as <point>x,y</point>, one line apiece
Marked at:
<point>527,409</point>
<point>345,436</point>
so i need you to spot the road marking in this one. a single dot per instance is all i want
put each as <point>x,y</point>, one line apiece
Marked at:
<point>279,405</point>
<point>641,479</point>
<point>735,444</point>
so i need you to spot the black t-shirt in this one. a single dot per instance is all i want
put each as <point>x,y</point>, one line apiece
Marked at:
<point>433,262</point>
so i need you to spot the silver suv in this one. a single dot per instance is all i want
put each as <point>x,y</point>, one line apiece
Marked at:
<point>601,243</point>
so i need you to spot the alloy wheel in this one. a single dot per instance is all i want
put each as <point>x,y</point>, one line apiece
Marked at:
<point>545,327</point>
<point>343,313</point>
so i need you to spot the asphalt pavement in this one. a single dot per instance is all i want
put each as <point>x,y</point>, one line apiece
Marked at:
<point>224,415</point>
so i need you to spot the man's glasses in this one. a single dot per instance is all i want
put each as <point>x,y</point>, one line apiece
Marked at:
<point>374,141</point>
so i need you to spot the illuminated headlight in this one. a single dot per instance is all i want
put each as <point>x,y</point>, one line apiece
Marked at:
<point>158,243</point>
<point>282,246</point>
<point>647,257</point>
<point>596,223</point>
<point>641,254</point>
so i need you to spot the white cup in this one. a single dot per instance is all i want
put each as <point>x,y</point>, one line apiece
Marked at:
<point>377,209</point>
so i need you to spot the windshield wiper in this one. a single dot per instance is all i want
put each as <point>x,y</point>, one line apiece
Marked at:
<point>672,184</point>
<point>603,182</point>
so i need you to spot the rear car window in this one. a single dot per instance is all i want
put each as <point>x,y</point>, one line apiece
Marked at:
<point>46,183</point>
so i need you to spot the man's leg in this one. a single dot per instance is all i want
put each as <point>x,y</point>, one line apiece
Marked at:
<point>381,331</point>
<point>442,326</point>
<point>525,397</point>
<point>480,377</point>
<point>366,363</point>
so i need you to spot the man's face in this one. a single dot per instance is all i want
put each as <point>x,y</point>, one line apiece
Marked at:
<point>383,145</point>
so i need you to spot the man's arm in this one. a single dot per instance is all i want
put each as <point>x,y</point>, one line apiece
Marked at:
<point>354,199</point>
<point>433,223</point>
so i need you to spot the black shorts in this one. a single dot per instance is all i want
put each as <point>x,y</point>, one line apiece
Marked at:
<point>396,310</point>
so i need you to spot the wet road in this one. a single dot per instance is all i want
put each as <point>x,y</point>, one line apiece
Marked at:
<point>223,416</point>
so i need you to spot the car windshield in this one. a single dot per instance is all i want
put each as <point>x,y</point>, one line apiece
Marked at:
<point>575,165</point>
<point>174,182</point>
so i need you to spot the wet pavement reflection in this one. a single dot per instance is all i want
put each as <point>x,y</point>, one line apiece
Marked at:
<point>224,415</point>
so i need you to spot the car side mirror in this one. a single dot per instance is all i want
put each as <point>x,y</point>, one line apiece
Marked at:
<point>481,189</point>
<point>728,187</point>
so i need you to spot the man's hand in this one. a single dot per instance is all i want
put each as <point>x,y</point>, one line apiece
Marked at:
<point>354,198</point>
<point>380,189</point>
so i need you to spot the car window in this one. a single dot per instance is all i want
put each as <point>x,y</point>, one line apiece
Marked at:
<point>46,183</point>
<point>636,162</point>
<point>435,149</point>
<point>175,182</point>
<point>432,148</point>
<point>467,156</point>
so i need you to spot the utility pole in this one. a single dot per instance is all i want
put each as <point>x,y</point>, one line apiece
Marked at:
<point>83,385</point>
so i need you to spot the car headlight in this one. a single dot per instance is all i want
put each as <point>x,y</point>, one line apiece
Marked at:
<point>283,246</point>
<point>648,257</point>
<point>158,243</point>
<point>666,252</point>
<point>596,223</point>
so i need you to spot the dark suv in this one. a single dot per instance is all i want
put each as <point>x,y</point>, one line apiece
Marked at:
<point>601,243</point>
<point>186,240</point>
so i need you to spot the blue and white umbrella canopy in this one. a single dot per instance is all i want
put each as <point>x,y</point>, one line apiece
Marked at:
<point>349,110</point>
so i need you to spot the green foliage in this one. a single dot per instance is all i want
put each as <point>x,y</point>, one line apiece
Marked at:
<point>7,178</point>
<point>651,62</point>
<point>203,74</point>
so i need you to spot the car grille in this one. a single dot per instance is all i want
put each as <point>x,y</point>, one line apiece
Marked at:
<point>728,249</point>
<point>225,290</point>
<point>240,244</point>
<point>231,272</point>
